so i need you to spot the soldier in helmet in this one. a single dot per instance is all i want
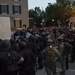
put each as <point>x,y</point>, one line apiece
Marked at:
<point>50,53</point>
<point>62,57</point>
<point>27,67</point>
<point>9,59</point>
<point>57,34</point>
<point>51,35</point>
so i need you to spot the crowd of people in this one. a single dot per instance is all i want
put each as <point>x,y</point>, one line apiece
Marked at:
<point>29,50</point>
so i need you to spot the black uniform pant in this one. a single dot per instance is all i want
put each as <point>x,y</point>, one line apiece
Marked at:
<point>40,61</point>
<point>30,71</point>
<point>8,73</point>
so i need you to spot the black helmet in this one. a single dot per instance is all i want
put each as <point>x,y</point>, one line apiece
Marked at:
<point>5,44</point>
<point>22,45</point>
<point>12,41</point>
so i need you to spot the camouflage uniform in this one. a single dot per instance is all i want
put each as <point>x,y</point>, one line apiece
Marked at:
<point>62,57</point>
<point>51,36</point>
<point>57,34</point>
<point>68,49</point>
<point>50,54</point>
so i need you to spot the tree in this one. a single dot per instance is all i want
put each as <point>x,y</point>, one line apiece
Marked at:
<point>61,10</point>
<point>37,14</point>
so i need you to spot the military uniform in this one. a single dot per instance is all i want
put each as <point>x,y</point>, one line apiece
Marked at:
<point>51,36</point>
<point>68,49</point>
<point>57,34</point>
<point>28,66</point>
<point>62,57</point>
<point>50,54</point>
<point>9,59</point>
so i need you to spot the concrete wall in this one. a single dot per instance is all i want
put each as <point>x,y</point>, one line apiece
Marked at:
<point>5,29</point>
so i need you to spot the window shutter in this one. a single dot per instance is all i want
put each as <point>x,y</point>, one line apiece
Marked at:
<point>19,9</point>
<point>13,9</point>
<point>14,23</point>
<point>20,23</point>
<point>7,9</point>
<point>0,9</point>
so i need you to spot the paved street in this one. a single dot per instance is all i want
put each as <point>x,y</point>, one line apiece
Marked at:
<point>68,72</point>
<point>71,70</point>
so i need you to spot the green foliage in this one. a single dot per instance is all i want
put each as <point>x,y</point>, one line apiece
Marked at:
<point>61,10</point>
<point>37,14</point>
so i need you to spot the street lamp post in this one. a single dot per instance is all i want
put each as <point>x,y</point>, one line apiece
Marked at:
<point>59,23</point>
<point>52,21</point>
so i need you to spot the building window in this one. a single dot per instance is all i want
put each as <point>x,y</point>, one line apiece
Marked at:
<point>20,23</point>
<point>14,23</point>
<point>17,23</point>
<point>16,9</point>
<point>4,9</point>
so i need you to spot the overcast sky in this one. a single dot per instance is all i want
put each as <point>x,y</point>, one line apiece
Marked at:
<point>39,3</point>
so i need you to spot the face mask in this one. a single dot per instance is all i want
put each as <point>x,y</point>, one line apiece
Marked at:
<point>50,46</point>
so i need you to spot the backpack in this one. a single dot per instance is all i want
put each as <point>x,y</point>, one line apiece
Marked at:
<point>9,60</point>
